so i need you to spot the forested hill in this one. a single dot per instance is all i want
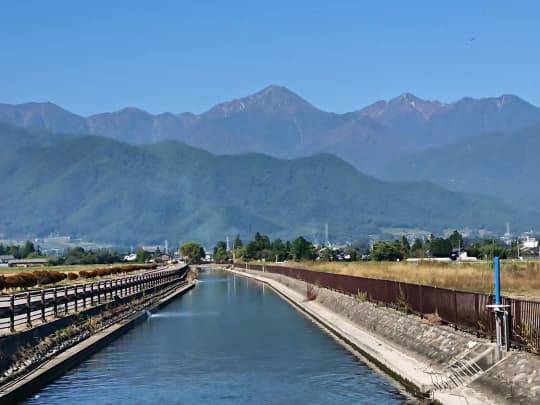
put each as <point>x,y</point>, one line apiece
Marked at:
<point>505,165</point>
<point>106,190</point>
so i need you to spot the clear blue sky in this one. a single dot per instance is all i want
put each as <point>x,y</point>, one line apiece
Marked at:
<point>186,56</point>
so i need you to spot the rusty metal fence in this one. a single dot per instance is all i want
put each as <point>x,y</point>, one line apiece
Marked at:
<point>26,307</point>
<point>464,310</point>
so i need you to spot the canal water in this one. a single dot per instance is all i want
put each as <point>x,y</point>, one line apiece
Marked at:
<point>228,341</point>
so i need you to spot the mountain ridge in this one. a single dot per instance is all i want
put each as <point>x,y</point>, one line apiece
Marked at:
<point>280,123</point>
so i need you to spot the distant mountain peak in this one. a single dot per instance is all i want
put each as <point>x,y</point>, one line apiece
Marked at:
<point>132,110</point>
<point>501,102</point>
<point>271,99</point>
<point>406,103</point>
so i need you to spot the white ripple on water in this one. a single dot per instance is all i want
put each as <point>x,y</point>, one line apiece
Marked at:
<point>182,314</point>
<point>213,280</point>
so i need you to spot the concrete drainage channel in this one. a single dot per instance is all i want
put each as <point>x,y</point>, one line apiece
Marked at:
<point>44,366</point>
<point>435,363</point>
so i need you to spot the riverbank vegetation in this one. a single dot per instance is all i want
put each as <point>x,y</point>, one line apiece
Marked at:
<point>69,274</point>
<point>452,247</point>
<point>387,260</point>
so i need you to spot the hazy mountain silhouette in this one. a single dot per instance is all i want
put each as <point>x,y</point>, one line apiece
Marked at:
<point>278,122</point>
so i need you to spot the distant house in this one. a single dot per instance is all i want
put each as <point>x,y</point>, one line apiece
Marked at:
<point>529,245</point>
<point>6,258</point>
<point>461,255</point>
<point>27,262</point>
<point>130,258</point>
<point>165,258</point>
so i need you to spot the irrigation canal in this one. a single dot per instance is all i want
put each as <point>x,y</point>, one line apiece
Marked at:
<point>229,341</point>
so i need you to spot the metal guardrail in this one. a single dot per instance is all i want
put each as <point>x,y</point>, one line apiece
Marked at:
<point>26,307</point>
<point>464,310</point>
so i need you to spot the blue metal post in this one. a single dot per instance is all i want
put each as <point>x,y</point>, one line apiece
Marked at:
<point>497,269</point>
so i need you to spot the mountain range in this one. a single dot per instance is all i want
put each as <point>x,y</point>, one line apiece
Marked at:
<point>277,122</point>
<point>103,189</point>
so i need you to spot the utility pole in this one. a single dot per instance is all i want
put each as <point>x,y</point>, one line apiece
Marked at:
<point>327,242</point>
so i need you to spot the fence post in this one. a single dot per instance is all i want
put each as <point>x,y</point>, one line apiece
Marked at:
<point>477,313</point>
<point>76,306</point>
<point>12,313</point>
<point>66,300</point>
<point>28,311</point>
<point>92,294</point>
<point>84,295</point>
<point>421,296</point>
<point>455,311</point>
<point>98,292</point>
<point>43,305</point>
<point>55,303</point>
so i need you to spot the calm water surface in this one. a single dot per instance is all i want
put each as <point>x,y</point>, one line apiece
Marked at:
<point>228,341</point>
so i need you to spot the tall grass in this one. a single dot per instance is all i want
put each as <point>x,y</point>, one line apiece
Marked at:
<point>519,279</point>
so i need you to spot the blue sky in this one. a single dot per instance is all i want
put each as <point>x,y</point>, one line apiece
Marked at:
<point>186,56</point>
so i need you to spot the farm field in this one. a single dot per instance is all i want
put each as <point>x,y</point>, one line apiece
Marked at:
<point>518,278</point>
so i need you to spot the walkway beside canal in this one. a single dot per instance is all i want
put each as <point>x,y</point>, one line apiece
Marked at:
<point>417,375</point>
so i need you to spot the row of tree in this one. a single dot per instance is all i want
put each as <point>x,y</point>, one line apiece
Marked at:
<point>262,248</point>
<point>78,255</point>
<point>25,251</point>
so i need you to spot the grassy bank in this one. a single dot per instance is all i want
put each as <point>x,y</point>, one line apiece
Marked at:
<point>519,279</point>
<point>66,269</point>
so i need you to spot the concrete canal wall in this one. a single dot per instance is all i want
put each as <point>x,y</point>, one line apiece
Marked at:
<point>46,372</point>
<point>435,361</point>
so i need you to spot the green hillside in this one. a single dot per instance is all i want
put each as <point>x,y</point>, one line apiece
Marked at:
<point>505,165</point>
<point>105,190</point>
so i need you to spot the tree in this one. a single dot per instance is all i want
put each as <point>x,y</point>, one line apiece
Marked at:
<point>353,253</point>
<point>405,246</point>
<point>387,251</point>
<point>193,251</point>
<point>237,244</point>
<point>279,250</point>
<point>141,256</point>
<point>259,248</point>
<point>417,245</point>
<point>440,247</point>
<point>220,252</point>
<point>456,240</point>
<point>302,249</point>
<point>27,249</point>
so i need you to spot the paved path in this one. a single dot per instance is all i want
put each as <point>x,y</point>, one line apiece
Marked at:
<point>397,362</point>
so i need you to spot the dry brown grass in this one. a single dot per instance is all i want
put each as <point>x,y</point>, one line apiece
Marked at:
<point>75,268</point>
<point>519,279</point>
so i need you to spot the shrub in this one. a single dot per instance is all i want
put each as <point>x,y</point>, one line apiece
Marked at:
<point>2,282</point>
<point>21,280</point>
<point>102,272</point>
<point>49,277</point>
<point>72,276</point>
<point>91,274</point>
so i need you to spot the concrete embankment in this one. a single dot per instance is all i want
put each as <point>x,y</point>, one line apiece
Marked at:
<point>430,360</point>
<point>46,372</point>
